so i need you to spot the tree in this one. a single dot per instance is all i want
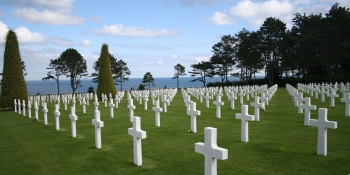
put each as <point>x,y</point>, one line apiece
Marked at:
<point>223,58</point>
<point>148,79</point>
<point>105,79</point>
<point>13,83</point>
<point>121,73</point>
<point>54,73</point>
<point>179,71</point>
<point>91,89</point>
<point>203,69</point>
<point>71,64</point>
<point>271,33</point>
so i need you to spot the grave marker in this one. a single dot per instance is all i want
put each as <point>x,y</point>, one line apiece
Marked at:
<point>245,117</point>
<point>157,109</point>
<point>193,112</point>
<point>307,107</point>
<point>73,119</point>
<point>346,100</point>
<point>137,134</point>
<point>57,116</point>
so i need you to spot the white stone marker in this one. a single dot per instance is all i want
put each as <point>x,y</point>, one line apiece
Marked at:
<point>111,107</point>
<point>211,151</point>
<point>15,105</point>
<point>145,99</point>
<point>73,119</point>
<point>57,116</point>
<point>207,97</point>
<point>157,109</point>
<point>322,123</point>
<point>137,134</point>
<point>105,100</point>
<point>257,105</point>
<point>346,100</point>
<point>45,110</point>
<point>332,96</point>
<point>218,104</point>
<point>165,102</point>
<point>24,107</point>
<point>84,105</point>
<point>98,125</point>
<point>131,109</point>
<point>36,108</point>
<point>232,98</point>
<point>29,109</point>
<point>19,106</point>
<point>245,117</point>
<point>193,112</point>
<point>241,94</point>
<point>307,107</point>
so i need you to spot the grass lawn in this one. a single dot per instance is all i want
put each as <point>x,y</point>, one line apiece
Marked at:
<point>278,143</point>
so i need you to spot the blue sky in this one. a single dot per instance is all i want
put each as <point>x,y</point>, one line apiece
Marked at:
<point>149,35</point>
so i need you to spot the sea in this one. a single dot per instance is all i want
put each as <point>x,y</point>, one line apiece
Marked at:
<point>50,87</point>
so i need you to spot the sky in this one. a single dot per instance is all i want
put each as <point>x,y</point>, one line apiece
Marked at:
<point>150,36</point>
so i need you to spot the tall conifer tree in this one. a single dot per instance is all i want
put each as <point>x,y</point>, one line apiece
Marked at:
<point>13,83</point>
<point>105,79</point>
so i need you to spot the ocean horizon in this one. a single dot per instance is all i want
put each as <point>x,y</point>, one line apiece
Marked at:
<point>50,87</point>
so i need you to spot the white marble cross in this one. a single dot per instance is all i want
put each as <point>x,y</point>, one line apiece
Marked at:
<point>105,100</point>
<point>131,109</point>
<point>241,95</point>
<point>165,102</point>
<point>257,105</point>
<point>98,125</point>
<point>145,99</point>
<point>157,109</point>
<point>111,107</point>
<point>322,123</point>
<point>245,117</point>
<point>45,110</point>
<point>36,108</point>
<point>137,134</point>
<point>232,98</point>
<point>218,104</point>
<point>211,151</point>
<point>264,99</point>
<point>300,102</point>
<point>57,116</point>
<point>73,119</point>
<point>15,105</point>
<point>332,95</point>
<point>307,107</point>
<point>29,110</point>
<point>193,112</point>
<point>84,105</point>
<point>19,106</point>
<point>207,97</point>
<point>346,100</point>
<point>24,107</point>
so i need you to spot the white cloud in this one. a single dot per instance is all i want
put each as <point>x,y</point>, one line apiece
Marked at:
<point>96,19</point>
<point>160,62</point>
<point>64,42</point>
<point>174,56</point>
<point>51,4</point>
<point>257,12</point>
<point>220,19</point>
<point>120,30</point>
<point>85,42</point>
<point>199,59</point>
<point>26,36</point>
<point>3,32</point>
<point>48,17</point>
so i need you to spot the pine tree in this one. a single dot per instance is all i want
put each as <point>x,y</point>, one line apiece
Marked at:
<point>105,79</point>
<point>13,83</point>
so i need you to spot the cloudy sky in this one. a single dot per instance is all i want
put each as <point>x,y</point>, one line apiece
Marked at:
<point>149,35</point>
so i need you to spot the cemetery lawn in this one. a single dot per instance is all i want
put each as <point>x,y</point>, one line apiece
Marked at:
<point>278,143</point>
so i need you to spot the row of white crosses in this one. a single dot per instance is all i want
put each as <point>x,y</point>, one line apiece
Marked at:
<point>322,123</point>
<point>330,91</point>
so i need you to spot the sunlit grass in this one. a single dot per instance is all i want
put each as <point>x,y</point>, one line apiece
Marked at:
<point>278,144</point>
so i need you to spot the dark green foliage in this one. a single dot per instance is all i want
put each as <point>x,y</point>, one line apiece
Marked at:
<point>148,79</point>
<point>91,89</point>
<point>179,71</point>
<point>203,69</point>
<point>72,65</point>
<point>105,80</point>
<point>13,83</point>
<point>141,87</point>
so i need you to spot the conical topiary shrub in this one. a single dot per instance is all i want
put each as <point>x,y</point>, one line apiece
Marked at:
<point>13,83</point>
<point>105,80</point>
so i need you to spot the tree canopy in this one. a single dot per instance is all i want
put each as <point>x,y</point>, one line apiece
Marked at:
<point>148,79</point>
<point>179,71</point>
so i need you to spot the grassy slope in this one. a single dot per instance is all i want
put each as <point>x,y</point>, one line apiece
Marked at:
<point>278,144</point>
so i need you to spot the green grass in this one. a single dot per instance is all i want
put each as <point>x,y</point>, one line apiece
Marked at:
<point>278,144</point>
